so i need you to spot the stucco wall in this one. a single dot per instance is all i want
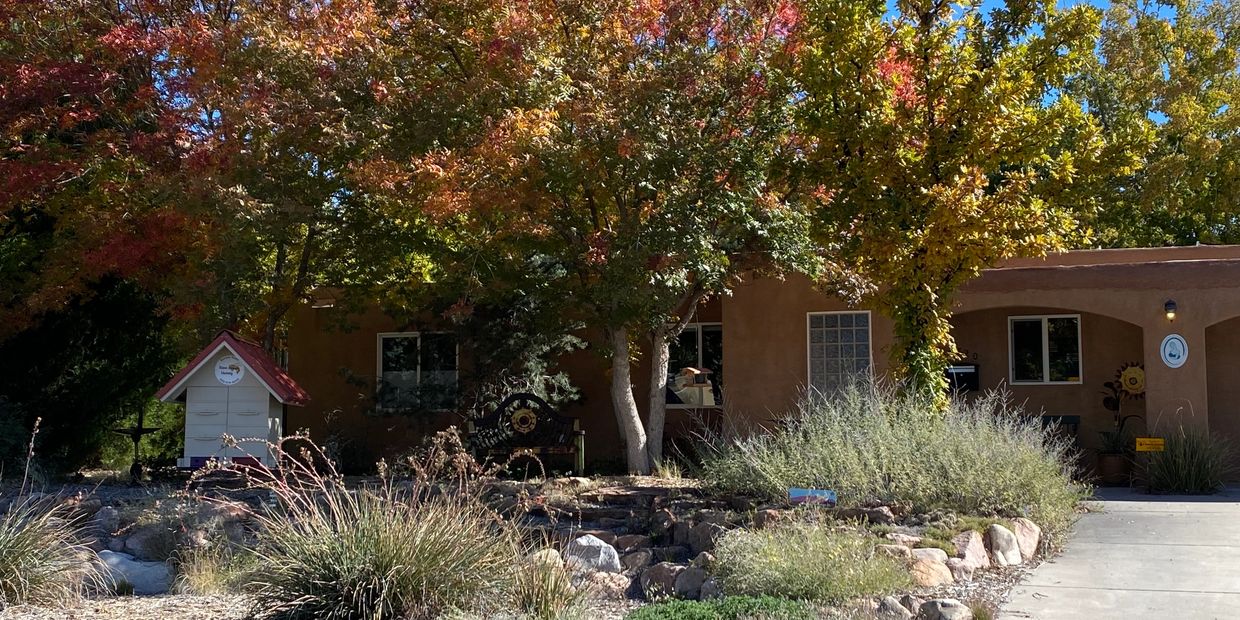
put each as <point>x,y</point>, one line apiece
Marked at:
<point>1106,344</point>
<point>327,346</point>
<point>766,344</point>
<point>1223,372</point>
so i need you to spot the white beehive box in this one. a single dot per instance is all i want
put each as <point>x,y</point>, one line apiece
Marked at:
<point>233,387</point>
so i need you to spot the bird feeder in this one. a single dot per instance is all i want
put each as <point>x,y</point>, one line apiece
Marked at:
<point>232,388</point>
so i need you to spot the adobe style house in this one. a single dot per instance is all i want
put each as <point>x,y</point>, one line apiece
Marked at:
<point>1052,331</point>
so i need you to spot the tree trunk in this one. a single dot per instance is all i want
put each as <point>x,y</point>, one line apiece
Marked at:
<point>660,355</point>
<point>625,404</point>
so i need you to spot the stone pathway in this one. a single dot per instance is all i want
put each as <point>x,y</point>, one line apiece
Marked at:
<point>1141,556</point>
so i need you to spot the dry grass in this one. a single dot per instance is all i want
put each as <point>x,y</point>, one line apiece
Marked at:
<point>42,558</point>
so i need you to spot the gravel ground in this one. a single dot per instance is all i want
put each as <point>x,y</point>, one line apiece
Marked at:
<point>168,607</point>
<point>989,587</point>
<point>185,607</point>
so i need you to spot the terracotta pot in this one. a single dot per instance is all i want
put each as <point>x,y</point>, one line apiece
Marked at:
<point>1113,469</point>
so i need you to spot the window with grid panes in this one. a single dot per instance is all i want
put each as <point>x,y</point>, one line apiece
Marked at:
<point>839,349</point>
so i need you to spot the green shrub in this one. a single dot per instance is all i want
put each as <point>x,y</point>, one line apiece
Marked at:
<point>1193,462</point>
<point>42,558</point>
<point>730,608</point>
<point>803,561</point>
<point>870,443</point>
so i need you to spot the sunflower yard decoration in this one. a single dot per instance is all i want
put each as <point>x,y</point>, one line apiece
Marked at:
<point>1131,379</point>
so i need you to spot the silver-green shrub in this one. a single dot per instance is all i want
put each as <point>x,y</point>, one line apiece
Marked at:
<point>807,562</point>
<point>871,443</point>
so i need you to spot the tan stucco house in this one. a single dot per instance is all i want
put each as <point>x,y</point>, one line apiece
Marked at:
<point>1051,331</point>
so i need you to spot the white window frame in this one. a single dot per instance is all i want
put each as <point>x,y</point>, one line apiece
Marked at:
<point>809,364</point>
<point>456,375</point>
<point>698,327</point>
<point>1046,350</point>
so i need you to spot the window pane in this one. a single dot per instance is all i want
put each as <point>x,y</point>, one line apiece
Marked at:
<point>682,353</point>
<point>1063,346</point>
<point>1027,350</point>
<point>438,387</point>
<point>843,355</point>
<point>712,358</point>
<point>398,376</point>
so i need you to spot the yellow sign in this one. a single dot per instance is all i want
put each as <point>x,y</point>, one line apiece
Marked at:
<point>1151,444</point>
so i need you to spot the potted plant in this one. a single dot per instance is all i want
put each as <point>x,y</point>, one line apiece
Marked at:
<point>1115,450</point>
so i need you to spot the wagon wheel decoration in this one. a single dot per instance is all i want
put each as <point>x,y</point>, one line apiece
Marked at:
<point>524,420</point>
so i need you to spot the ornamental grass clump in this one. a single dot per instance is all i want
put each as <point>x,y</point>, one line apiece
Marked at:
<point>43,560</point>
<point>542,589</point>
<point>398,549</point>
<point>1193,461</point>
<point>872,444</point>
<point>805,562</point>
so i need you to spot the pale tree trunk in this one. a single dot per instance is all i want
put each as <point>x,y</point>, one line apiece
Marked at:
<point>625,405</point>
<point>660,357</point>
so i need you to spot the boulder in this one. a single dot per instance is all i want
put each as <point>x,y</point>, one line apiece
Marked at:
<point>890,607</point>
<point>971,547</point>
<point>675,553</point>
<point>961,570</point>
<point>224,511</point>
<point>900,552</point>
<point>608,585</point>
<point>767,517</point>
<point>718,517</point>
<point>907,540</point>
<point>1028,537</point>
<point>549,557</point>
<point>151,543</point>
<point>703,536</point>
<point>588,553</point>
<point>880,515</point>
<point>106,521</point>
<point>945,609</point>
<point>710,590</point>
<point>930,574</point>
<point>637,560</point>
<point>680,533</point>
<point>631,542</point>
<point>1004,549</point>
<point>689,582</point>
<point>704,560</point>
<point>661,523</point>
<point>660,579</point>
<point>144,577</point>
<point>912,602</point>
<point>934,554</point>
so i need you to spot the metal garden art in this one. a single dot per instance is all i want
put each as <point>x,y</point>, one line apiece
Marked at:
<point>1114,453</point>
<point>525,424</point>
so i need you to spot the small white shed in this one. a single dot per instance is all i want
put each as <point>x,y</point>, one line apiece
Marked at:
<point>232,387</point>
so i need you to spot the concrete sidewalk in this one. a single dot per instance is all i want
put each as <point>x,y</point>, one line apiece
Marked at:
<point>1143,556</point>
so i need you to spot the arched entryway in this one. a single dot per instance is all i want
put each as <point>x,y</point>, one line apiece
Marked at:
<point>1223,378</point>
<point>1042,374</point>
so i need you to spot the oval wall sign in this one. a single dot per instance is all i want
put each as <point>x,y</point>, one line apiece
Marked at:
<point>229,370</point>
<point>1174,351</point>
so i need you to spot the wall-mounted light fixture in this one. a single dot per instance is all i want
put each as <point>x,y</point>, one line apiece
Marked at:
<point>1170,308</point>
